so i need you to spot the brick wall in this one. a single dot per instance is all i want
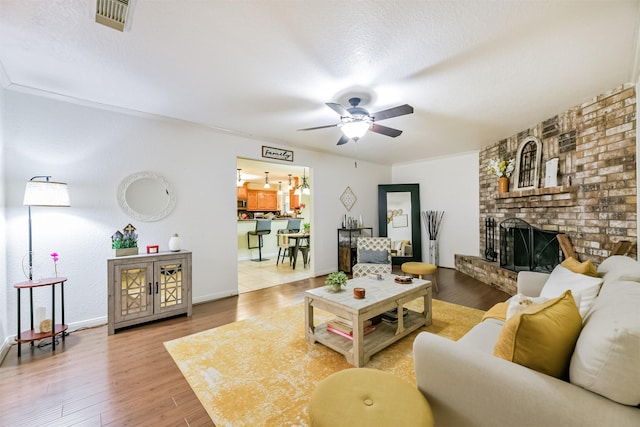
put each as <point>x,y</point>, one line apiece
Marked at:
<point>595,202</point>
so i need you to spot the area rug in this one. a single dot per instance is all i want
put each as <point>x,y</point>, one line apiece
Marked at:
<point>261,371</point>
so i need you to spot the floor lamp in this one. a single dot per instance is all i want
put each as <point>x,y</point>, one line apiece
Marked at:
<point>42,192</point>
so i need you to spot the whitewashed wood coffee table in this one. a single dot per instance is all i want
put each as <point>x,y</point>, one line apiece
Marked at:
<point>381,296</point>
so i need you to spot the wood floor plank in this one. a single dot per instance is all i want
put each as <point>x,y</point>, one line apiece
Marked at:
<point>129,379</point>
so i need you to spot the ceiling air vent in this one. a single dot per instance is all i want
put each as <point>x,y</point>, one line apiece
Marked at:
<point>112,13</point>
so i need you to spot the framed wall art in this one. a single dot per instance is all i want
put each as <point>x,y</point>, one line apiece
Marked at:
<point>348,198</point>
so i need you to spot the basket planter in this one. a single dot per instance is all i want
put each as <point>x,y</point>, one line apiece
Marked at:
<point>125,251</point>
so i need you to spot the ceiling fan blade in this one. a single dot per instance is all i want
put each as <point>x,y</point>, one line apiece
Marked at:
<point>385,130</point>
<point>339,109</point>
<point>320,127</point>
<point>393,112</point>
<point>343,140</point>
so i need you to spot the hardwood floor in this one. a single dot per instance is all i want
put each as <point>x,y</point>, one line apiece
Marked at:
<point>129,379</point>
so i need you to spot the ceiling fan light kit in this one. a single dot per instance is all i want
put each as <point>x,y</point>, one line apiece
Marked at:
<point>356,121</point>
<point>355,129</point>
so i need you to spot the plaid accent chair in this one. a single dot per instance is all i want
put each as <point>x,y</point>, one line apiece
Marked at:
<point>373,256</point>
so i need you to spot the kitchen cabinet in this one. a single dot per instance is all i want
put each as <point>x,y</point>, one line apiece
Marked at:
<point>252,200</point>
<point>242,193</point>
<point>268,201</point>
<point>148,287</point>
<point>294,200</point>
<point>258,200</point>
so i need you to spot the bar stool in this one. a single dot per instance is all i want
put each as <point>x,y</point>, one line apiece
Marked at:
<point>263,227</point>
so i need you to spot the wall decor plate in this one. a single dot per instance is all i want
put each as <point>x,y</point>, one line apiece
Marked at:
<point>348,198</point>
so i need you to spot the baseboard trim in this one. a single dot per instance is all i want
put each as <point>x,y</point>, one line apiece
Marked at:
<point>213,297</point>
<point>6,345</point>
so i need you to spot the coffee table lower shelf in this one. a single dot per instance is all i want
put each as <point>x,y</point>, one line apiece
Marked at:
<point>383,336</point>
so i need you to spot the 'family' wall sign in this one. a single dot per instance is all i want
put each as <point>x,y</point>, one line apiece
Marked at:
<point>277,153</point>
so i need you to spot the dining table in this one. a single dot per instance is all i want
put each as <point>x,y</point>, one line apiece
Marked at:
<point>299,237</point>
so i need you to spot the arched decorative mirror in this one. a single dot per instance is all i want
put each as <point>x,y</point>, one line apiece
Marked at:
<point>399,219</point>
<point>146,196</point>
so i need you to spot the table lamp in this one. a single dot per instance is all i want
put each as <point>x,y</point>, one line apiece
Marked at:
<point>42,192</point>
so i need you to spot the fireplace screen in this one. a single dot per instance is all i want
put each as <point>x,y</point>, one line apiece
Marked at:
<point>527,248</point>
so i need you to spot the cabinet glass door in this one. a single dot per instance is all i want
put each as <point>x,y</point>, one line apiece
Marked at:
<point>135,288</point>
<point>170,283</point>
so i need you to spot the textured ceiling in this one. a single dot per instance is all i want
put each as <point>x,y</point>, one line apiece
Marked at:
<point>475,71</point>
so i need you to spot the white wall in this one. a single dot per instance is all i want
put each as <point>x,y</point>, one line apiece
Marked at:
<point>93,149</point>
<point>448,184</point>
<point>4,288</point>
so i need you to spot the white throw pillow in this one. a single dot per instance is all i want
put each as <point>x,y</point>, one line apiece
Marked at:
<point>605,359</point>
<point>520,302</point>
<point>562,279</point>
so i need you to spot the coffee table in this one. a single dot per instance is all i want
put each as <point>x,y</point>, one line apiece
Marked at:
<point>381,295</point>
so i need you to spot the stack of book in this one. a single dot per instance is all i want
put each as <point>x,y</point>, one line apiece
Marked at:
<point>391,316</point>
<point>344,327</point>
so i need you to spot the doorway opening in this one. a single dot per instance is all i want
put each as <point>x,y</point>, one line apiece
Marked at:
<point>272,192</point>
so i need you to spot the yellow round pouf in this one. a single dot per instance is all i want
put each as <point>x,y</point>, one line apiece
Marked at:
<point>420,269</point>
<point>368,397</point>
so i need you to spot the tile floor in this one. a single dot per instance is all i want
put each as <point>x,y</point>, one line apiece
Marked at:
<point>254,275</point>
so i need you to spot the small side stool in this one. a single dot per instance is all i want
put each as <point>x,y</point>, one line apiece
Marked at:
<point>422,268</point>
<point>368,397</point>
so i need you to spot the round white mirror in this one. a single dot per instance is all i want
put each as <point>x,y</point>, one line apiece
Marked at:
<point>146,196</point>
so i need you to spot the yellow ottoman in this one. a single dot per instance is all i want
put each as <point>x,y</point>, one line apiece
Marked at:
<point>422,268</point>
<point>368,397</point>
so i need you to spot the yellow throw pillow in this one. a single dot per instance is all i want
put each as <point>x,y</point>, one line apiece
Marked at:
<point>576,266</point>
<point>542,337</point>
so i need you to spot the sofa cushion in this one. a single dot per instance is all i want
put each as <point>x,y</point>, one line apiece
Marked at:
<point>542,337</point>
<point>576,266</point>
<point>484,335</point>
<point>374,257</point>
<point>562,279</point>
<point>605,359</point>
<point>619,267</point>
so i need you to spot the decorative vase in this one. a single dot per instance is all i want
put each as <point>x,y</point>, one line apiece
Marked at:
<point>175,243</point>
<point>503,185</point>
<point>433,252</point>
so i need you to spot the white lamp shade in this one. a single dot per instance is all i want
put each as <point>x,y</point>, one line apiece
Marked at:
<point>355,129</point>
<point>46,193</point>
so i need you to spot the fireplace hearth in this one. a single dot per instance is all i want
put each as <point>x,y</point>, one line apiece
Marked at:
<point>524,247</point>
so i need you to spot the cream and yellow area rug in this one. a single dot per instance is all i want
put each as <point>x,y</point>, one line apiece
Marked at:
<point>261,371</point>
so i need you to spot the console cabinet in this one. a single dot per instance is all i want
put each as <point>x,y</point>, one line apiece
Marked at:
<point>348,247</point>
<point>144,287</point>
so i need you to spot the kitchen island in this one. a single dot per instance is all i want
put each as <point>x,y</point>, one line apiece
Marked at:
<point>269,241</point>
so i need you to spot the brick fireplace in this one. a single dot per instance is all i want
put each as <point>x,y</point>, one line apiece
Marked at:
<point>594,202</point>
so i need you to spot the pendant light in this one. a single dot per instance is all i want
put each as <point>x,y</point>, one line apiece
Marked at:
<point>266,180</point>
<point>303,188</point>
<point>240,182</point>
<point>279,187</point>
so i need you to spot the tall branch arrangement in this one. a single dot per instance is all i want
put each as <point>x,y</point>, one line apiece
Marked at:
<point>432,221</point>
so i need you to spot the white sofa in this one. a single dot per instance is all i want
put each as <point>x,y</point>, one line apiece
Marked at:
<point>466,385</point>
